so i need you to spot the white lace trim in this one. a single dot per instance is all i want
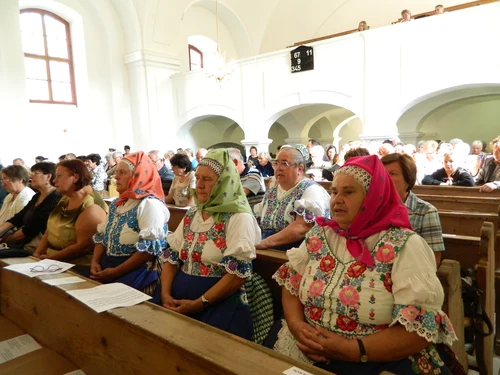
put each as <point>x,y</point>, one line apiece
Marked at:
<point>436,337</point>
<point>359,174</point>
<point>287,344</point>
<point>286,284</point>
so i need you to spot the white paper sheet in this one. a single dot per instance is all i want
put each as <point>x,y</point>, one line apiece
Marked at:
<point>109,296</point>
<point>44,267</point>
<point>64,280</point>
<point>296,371</point>
<point>16,347</point>
<point>76,372</point>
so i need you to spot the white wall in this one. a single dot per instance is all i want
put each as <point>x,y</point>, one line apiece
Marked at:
<point>374,74</point>
<point>102,117</point>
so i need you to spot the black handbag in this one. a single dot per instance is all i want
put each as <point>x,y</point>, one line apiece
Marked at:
<point>12,252</point>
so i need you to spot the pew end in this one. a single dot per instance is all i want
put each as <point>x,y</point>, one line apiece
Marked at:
<point>449,275</point>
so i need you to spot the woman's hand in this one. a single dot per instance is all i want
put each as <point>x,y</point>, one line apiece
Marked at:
<point>167,301</point>
<point>184,306</point>
<point>95,268</point>
<point>330,345</point>
<point>105,276</point>
<point>300,330</point>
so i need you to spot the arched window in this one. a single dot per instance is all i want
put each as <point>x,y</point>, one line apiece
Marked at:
<point>48,57</point>
<point>195,58</point>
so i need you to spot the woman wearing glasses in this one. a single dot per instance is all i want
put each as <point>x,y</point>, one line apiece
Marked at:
<point>74,220</point>
<point>127,243</point>
<point>31,221</point>
<point>289,209</point>
<point>15,180</point>
<point>184,181</point>
<point>265,167</point>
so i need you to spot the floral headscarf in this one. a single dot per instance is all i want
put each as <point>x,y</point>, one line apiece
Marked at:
<point>303,150</point>
<point>381,210</point>
<point>227,195</point>
<point>145,180</point>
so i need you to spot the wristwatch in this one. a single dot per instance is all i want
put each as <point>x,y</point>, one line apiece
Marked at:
<point>205,301</point>
<point>362,352</point>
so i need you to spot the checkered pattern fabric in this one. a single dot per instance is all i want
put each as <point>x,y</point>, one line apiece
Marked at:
<point>260,301</point>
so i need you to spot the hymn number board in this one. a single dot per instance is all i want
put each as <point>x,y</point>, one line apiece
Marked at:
<point>302,59</point>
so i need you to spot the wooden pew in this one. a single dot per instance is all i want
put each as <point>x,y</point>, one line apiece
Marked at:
<point>449,275</point>
<point>453,191</point>
<point>176,215</point>
<point>141,339</point>
<point>466,223</point>
<point>471,251</point>
<point>469,204</point>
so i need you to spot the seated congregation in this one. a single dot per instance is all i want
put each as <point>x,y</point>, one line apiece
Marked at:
<point>360,293</point>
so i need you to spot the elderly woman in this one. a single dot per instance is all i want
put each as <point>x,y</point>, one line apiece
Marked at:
<point>289,209</point>
<point>127,243</point>
<point>210,256</point>
<point>15,180</point>
<point>26,228</point>
<point>74,220</point>
<point>360,294</point>
<point>424,217</point>
<point>264,166</point>
<point>184,181</point>
<point>450,174</point>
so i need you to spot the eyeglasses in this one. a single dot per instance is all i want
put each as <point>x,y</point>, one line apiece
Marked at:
<point>6,179</point>
<point>51,268</point>
<point>37,173</point>
<point>282,164</point>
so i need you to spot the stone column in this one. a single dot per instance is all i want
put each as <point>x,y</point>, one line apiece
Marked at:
<point>151,99</point>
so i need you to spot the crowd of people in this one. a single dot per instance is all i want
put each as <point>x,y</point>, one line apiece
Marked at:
<point>360,291</point>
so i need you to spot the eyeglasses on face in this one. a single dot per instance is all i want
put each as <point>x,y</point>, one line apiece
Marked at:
<point>282,164</point>
<point>51,268</point>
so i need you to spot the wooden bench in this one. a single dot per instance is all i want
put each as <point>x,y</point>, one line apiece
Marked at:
<point>463,203</point>
<point>470,251</point>
<point>141,339</point>
<point>453,191</point>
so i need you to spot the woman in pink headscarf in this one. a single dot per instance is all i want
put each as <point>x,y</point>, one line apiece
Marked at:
<point>360,294</point>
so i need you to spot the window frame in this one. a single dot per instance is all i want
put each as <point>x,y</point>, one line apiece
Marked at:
<point>47,58</point>
<point>194,49</point>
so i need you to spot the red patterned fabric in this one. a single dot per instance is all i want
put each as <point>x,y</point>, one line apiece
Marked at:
<point>381,210</point>
<point>145,180</point>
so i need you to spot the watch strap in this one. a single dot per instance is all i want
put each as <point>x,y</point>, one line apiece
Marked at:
<point>362,352</point>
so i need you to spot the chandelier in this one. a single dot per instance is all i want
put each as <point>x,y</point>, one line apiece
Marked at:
<point>217,68</point>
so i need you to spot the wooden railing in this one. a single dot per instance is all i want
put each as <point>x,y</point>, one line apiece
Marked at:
<point>424,14</point>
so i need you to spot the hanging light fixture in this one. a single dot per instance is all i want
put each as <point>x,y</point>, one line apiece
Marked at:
<point>218,69</point>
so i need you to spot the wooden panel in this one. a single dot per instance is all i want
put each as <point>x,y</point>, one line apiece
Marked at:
<point>453,191</point>
<point>266,264</point>
<point>142,339</point>
<point>176,216</point>
<point>469,204</point>
<point>465,223</point>
<point>472,251</point>
<point>449,275</point>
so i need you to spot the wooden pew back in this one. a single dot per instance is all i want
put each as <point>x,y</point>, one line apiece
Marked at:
<point>480,251</point>
<point>141,339</point>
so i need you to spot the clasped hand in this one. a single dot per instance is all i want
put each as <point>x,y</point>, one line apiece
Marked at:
<point>318,343</point>
<point>103,276</point>
<point>182,306</point>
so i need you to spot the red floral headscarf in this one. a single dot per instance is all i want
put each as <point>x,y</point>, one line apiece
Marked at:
<point>145,180</point>
<point>381,210</point>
